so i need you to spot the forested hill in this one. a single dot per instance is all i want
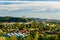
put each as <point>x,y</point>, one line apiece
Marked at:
<point>14,19</point>
<point>22,19</point>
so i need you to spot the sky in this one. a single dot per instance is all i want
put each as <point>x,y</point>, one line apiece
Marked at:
<point>36,9</point>
<point>29,0</point>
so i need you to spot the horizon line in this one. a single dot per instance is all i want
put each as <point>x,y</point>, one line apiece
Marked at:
<point>29,17</point>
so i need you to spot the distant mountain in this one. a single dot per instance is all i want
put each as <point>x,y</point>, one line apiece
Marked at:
<point>17,19</point>
<point>45,20</point>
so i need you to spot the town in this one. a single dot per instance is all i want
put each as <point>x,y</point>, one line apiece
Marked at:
<point>29,30</point>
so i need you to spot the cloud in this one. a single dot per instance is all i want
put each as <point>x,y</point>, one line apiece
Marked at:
<point>29,0</point>
<point>31,9</point>
<point>35,6</point>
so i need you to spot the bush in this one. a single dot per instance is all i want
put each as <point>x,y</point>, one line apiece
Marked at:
<point>3,38</point>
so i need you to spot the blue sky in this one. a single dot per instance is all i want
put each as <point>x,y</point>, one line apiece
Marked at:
<point>29,0</point>
<point>39,9</point>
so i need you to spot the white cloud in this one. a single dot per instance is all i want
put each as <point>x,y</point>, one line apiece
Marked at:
<point>41,6</point>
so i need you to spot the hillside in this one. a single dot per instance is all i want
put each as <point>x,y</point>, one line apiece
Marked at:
<point>14,19</point>
<point>20,19</point>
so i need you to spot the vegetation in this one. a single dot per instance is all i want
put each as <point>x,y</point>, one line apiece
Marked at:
<point>14,19</point>
<point>29,31</point>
